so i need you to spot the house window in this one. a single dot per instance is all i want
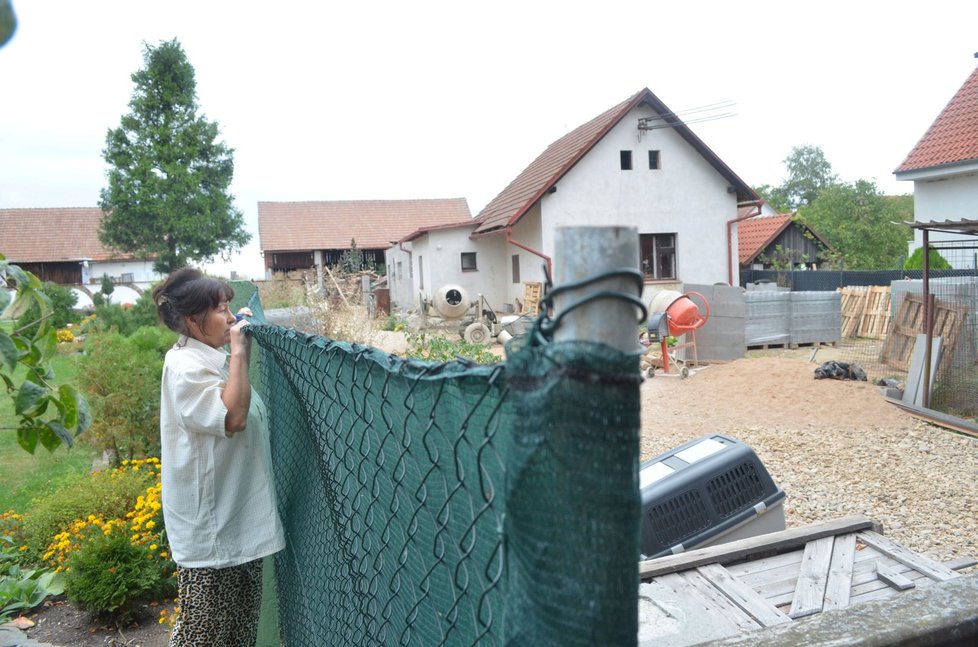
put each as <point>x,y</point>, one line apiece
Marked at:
<point>626,160</point>
<point>421,272</point>
<point>658,256</point>
<point>653,160</point>
<point>127,277</point>
<point>516,268</point>
<point>468,262</point>
<point>400,272</point>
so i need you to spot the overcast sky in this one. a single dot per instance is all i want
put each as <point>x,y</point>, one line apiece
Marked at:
<point>396,99</point>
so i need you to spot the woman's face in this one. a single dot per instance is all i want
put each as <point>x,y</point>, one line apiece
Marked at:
<point>215,326</point>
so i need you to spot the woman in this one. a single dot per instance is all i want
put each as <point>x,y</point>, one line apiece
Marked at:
<point>218,496</point>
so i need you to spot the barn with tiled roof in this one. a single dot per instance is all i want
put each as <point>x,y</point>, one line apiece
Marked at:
<point>765,241</point>
<point>293,234</point>
<point>61,245</point>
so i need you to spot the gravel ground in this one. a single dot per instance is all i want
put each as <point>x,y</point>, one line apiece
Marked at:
<point>836,447</point>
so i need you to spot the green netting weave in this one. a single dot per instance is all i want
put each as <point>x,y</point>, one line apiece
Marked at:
<point>453,504</point>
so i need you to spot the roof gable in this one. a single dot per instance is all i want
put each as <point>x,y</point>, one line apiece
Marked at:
<point>523,192</point>
<point>54,235</point>
<point>285,226</point>
<point>953,137</point>
<point>754,235</point>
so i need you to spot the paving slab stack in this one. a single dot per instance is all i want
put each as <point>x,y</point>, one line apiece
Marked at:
<point>768,319</point>
<point>722,338</point>
<point>815,317</point>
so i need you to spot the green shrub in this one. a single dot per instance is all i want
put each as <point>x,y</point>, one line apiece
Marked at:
<point>122,383</point>
<point>109,574</point>
<point>108,493</point>
<point>63,302</point>
<point>126,318</point>
<point>440,349</point>
<point>394,323</point>
<point>916,260</point>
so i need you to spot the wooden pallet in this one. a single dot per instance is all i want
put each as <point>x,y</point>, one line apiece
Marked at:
<point>865,311</point>
<point>532,293</point>
<point>909,322</point>
<point>784,576</point>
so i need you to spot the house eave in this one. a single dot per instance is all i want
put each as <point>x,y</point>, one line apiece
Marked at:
<point>939,172</point>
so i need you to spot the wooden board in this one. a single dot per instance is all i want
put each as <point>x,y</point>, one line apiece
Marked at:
<point>771,543</point>
<point>810,587</point>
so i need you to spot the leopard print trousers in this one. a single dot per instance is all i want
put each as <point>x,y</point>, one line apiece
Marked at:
<point>218,606</point>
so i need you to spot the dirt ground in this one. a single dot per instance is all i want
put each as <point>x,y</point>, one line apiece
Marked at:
<point>61,624</point>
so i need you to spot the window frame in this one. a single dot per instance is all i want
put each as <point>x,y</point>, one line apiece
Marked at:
<point>657,250</point>
<point>655,160</point>
<point>625,160</point>
<point>474,261</point>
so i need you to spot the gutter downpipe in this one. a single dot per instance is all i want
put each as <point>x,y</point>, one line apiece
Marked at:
<point>410,255</point>
<point>730,224</point>
<point>547,259</point>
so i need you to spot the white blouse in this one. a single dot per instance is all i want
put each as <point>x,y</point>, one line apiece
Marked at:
<point>219,504</point>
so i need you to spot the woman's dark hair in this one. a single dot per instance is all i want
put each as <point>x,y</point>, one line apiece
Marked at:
<point>188,293</point>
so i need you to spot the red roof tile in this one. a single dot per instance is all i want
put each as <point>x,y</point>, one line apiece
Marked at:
<point>755,234</point>
<point>516,199</point>
<point>299,226</point>
<point>52,235</point>
<point>953,137</point>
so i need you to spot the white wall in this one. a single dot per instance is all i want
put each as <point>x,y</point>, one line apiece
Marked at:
<point>950,198</point>
<point>685,196</point>
<point>142,271</point>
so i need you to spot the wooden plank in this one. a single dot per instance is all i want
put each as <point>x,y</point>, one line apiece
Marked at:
<point>691,582</point>
<point>839,584</point>
<point>743,596</point>
<point>892,578</point>
<point>959,563</point>
<point>810,588</point>
<point>775,542</point>
<point>929,567</point>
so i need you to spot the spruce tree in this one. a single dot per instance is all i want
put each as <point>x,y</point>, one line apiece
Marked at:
<point>167,195</point>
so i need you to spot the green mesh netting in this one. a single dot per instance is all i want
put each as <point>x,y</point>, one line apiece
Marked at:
<point>453,504</point>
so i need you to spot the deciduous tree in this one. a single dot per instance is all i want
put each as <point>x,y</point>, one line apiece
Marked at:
<point>167,195</point>
<point>863,225</point>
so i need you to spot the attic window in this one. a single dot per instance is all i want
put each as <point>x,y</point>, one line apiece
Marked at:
<point>468,262</point>
<point>626,160</point>
<point>653,160</point>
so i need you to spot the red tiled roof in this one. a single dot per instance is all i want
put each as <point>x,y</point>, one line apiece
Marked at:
<point>516,199</point>
<point>299,226</point>
<point>53,235</point>
<point>953,137</point>
<point>755,234</point>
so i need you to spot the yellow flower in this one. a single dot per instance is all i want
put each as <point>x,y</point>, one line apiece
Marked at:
<point>23,549</point>
<point>153,546</point>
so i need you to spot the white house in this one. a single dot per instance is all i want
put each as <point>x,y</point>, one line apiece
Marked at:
<point>635,165</point>
<point>61,245</point>
<point>943,167</point>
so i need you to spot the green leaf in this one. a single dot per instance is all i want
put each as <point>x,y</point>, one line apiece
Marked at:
<point>28,398</point>
<point>4,299</point>
<point>8,350</point>
<point>50,436</point>
<point>47,344</point>
<point>27,438</point>
<point>84,415</point>
<point>69,405</point>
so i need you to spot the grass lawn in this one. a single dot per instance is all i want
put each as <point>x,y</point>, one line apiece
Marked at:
<point>24,476</point>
